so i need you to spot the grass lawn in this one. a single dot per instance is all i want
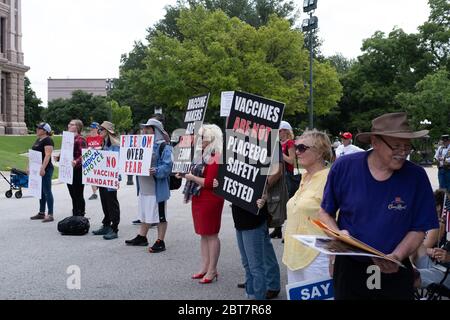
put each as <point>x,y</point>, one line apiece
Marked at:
<point>11,148</point>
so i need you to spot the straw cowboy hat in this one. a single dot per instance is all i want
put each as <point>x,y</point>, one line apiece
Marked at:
<point>108,126</point>
<point>391,125</point>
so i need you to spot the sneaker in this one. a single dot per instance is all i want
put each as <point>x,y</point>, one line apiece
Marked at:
<point>93,197</point>
<point>159,246</point>
<point>137,222</point>
<point>111,235</point>
<point>272,294</point>
<point>39,216</point>
<point>138,241</point>
<point>48,218</point>
<point>102,231</point>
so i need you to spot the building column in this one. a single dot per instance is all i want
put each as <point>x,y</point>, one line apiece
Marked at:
<point>15,111</point>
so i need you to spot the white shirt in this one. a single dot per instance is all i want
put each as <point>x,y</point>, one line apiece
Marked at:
<point>443,156</point>
<point>345,150</point>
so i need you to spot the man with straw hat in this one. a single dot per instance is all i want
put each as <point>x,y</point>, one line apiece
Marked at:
<point>386,202</point>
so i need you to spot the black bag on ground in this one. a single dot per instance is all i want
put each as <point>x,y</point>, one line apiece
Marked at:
<point>74,226</point>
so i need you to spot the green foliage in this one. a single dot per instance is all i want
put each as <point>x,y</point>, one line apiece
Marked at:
<point>221,53</point>
<point>128,89</point>
<point>14,146</point>
<point>435,33</point>
<point>390,65</point>
<point>397,72</point>
<point>121,117</point>
<point>254,12</point>
<point>431,101</point>
<point>33,108</point>
<point>81,105</point>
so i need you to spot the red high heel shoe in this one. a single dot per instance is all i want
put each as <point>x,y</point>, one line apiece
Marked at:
<point>198,276</point>
<point>207,281</point>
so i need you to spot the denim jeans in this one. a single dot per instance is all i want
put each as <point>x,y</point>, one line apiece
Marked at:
<point>444,178</point>
<point>262,271</point>
<point>47,195</point>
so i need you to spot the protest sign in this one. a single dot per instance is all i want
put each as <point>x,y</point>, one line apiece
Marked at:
<point>34,178</point>
<point>66,158</point>
<point>100,168</point>
<point>94,142</point>
<point>315,289</point>
<point>185,149</point>
<point>136,155</point>
<point>251,139</point>
<point>225,103</point>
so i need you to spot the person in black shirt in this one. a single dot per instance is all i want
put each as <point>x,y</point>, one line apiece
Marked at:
<point>44,144</point>
<point>262,272</point>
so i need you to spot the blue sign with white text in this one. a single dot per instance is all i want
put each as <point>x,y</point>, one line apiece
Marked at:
<point>311,290</point>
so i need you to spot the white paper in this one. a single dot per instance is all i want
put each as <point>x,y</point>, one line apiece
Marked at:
<point>66,158</point>
<point>100,168</point>
<point>34,178</point>
<point>329,246</point>
<point>226,103</point>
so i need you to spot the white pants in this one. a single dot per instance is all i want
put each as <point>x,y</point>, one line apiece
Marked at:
<point>317,269</point>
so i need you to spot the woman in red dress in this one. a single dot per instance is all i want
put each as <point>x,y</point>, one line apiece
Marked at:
<point>206,205</point>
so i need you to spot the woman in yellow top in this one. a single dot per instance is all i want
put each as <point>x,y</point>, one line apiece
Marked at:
<point>313,150</point>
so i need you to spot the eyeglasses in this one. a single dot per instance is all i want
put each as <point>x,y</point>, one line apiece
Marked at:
<point>300,148</point>
<point>100,130</point>
<point>407,148</point>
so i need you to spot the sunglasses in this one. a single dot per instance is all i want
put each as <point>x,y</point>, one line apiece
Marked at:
<point>100,130</point>
<point>301,148</point>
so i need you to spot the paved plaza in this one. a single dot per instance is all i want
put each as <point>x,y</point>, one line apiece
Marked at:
<point>35,257</point>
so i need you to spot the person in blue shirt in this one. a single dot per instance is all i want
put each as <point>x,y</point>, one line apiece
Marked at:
<point>385,201</point>
<point>154,190</point>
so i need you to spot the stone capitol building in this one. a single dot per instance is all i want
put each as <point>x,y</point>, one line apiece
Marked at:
<point>12,99</point>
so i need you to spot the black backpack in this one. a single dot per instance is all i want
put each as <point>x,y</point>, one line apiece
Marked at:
<point>174,182</point>
<point>74,226</point>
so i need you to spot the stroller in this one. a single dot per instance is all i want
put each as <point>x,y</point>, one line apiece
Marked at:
<point>19,180</point>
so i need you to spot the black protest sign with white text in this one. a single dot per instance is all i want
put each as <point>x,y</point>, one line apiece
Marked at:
<point>193,120</point>
<point>252,130</point>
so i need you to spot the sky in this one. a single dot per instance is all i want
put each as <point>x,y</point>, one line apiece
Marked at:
<point>86,38</point>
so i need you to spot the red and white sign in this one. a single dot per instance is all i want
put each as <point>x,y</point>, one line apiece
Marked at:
<point>94,142</point>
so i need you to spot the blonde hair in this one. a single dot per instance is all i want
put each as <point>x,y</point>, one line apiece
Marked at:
<point>79,124</point>
<point>213,134</point>
<point>321,143</point>
<point>291,135</point>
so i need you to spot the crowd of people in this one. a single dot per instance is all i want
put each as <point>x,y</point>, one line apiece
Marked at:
<point>376,196</point>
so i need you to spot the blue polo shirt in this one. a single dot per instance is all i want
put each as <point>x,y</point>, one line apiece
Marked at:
<point>379,213</point>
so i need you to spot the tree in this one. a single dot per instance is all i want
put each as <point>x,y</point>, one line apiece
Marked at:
<point>254,12</point>
<point>125,92</point>
<point>121,117</point>
<point>33,108</point>
<point>341,63</point>
<point>389,66</point>
<point>430,100</point>
<point>435,33</point>
<point>81,105</point>
<point>221,53</point>
<point>127,88</point>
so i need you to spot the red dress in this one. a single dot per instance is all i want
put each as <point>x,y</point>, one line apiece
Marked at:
<point>207,206</point>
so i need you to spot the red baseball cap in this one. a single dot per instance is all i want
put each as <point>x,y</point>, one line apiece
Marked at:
<point>347,135</point>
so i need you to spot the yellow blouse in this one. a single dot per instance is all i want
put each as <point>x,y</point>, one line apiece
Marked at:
<point>303,205</point>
